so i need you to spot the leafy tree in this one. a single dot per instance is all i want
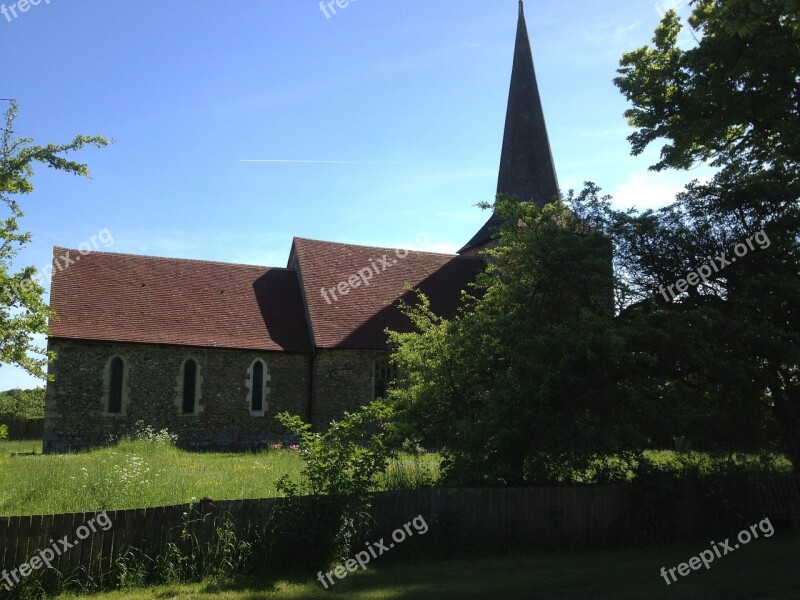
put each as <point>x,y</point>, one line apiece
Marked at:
<point>693,363</point>
<point>22,404</point>
<point>23,312</point>
<point>733,100</point>
<point>521,385</point>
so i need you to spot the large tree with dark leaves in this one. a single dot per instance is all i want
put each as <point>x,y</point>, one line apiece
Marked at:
<point>728,347</point>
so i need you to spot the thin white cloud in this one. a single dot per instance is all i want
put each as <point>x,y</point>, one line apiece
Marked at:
<point>662,6</point>
<point>608,39</point>
<point>646,191</point>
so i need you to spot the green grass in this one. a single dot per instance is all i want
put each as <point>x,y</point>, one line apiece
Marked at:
<point>766,568</point>
<point>138,474</point>
<point>6,447</point>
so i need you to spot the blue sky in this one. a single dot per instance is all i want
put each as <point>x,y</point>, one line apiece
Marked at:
<point>393,111</point>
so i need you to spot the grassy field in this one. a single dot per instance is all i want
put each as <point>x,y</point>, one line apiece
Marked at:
<point>136,474</point>
<point>766,568</point>
<point>6,447</point>
<point>140,474</point>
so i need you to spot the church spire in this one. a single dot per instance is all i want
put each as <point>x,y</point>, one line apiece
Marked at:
<point>526,162</point>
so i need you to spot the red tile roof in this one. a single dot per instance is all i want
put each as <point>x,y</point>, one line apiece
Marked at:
<point>358,319</point>
<point>126,298</point>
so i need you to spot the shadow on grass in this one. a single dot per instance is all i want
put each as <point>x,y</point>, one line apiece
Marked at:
<point>765,568</point>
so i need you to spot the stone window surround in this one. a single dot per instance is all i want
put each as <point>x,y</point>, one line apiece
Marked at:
<point>123,409</point>
<point>198,389</point>
<point>265,388</point>
<point>380,362</point>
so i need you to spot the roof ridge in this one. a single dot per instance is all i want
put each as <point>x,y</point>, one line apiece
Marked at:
<point>301,239</point>
<point>167,258</point>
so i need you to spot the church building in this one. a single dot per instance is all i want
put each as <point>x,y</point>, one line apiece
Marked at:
<point>213,351</point>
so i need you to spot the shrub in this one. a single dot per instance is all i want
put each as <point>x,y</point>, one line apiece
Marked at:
<point>695,494</point>
<point>322,515</point>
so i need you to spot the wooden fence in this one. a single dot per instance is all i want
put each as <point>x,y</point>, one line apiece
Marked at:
<point>482,516</point>
<point>22,430</point>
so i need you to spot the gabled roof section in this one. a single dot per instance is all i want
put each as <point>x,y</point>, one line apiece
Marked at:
<point>527,170</point>
<point>105,296</point>
<point>358,318</point>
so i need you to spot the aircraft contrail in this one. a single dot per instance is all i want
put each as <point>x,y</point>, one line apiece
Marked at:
<point>327,162</point>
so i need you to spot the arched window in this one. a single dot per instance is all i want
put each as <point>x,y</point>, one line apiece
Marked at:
<point>257,392</point>
<point>385,371</point>
<point>115,387</point>
<point>189,386</point>
<point>116,373</point>
<point>257,388</point>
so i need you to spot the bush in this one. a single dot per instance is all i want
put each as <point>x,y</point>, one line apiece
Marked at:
<point>696,494</point>
<point>322,515</point>
<point>3,432</point>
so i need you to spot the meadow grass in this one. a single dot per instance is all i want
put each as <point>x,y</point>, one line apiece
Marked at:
<point>138,474</point>
<point>766,568</point>
<point>7,448</point>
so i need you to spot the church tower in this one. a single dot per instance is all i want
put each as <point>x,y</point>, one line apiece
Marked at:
<point>526,162</point>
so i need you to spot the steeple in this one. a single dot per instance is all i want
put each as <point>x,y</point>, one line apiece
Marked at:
<point>526,163</point>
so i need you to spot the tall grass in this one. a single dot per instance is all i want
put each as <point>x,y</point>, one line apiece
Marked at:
<point>136,474</point>
<point>27,447</point>
<point>140,474</point>
<point>227,554</point>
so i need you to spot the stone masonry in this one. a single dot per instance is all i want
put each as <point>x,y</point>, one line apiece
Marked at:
<point>75,411</point>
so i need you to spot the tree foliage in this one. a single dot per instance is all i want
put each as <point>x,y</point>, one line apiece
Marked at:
<point>23,312</point>
<point>22,404</point>
<point>319,521</point>
<point>534,370</point>
<point>521,385</point>
<point>732,100</point>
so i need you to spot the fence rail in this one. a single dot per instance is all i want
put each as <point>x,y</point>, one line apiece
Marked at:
<point>486,516</point>
<point>545,516</point>
<point>22,430</point>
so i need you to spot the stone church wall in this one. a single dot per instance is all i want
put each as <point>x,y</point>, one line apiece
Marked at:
<point>76,402</point>
<point>343,381</point>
